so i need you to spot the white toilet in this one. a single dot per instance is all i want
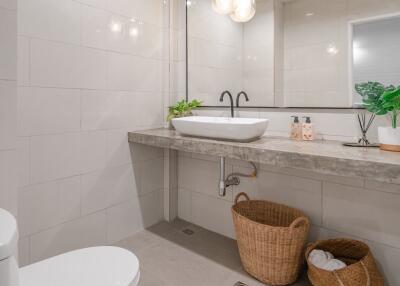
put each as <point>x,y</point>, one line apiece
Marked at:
<point>96,266</point>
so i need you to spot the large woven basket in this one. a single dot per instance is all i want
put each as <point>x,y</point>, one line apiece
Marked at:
<point>361,270</point>
<point>271,239</point>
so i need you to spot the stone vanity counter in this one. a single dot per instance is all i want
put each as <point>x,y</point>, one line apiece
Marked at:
<point>327,157</point>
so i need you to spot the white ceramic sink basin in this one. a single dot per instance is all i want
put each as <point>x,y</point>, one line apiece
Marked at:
<point>238,129</point>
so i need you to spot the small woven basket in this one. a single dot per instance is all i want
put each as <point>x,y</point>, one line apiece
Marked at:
<point>361,270</point>
<point>271,239</point>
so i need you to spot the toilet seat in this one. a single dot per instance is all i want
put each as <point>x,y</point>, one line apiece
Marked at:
<point>96,266</point>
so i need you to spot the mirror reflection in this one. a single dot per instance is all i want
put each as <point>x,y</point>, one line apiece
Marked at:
<point>376,46</point>
<point>289,53</point>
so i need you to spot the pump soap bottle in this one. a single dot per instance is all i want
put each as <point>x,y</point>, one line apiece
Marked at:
<point>308,129</point>
<point>295,131</point>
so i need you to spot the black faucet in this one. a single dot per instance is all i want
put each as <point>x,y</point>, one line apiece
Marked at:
<point>221,99</point>
<point>238,97</point>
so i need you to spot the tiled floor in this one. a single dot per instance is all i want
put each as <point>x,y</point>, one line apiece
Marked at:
<point>169,257</point>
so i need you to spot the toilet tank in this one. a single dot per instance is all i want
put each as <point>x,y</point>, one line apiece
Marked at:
<point>9,271</point>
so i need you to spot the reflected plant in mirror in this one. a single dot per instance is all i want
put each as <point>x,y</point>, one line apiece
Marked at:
<point>182,108</point>
<point>383,100</point>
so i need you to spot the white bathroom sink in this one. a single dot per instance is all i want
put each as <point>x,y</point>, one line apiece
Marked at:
<point>238,129</point>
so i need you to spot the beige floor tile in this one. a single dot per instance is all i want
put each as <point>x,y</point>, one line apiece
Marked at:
<point>169,257</point>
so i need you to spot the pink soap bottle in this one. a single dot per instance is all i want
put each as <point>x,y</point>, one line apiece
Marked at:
<point>307,130</point>
<point>295,129</point>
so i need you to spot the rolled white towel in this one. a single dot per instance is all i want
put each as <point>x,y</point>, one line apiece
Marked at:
<point>333,264</point>
<point>325,260</point>
<point>319,257</point>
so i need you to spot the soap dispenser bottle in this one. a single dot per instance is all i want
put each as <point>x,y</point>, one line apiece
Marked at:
<point>295,130</point>
<point>308,129</point>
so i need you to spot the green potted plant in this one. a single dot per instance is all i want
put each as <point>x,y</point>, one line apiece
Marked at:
<point>182,108</point>
<point>383,100</point>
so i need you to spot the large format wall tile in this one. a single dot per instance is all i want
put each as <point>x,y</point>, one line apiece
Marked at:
<point>47,205</point>
<point>8,181</point>
<point>51,20</point>
<point>67,66</point>
<point>48,111</point>
<point>8,114</point>
<point>54,157</point>
<point>8,45</point>
<point>369,214</point>
<point>84,232</point>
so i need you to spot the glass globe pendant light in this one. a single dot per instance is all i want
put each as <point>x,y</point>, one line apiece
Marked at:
<point>222,6</point>
<point>243,10</point>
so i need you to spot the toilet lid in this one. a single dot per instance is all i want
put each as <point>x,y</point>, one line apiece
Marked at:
<point>96,266</point>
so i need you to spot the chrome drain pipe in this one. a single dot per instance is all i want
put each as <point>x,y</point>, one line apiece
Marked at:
<point>223,182</point>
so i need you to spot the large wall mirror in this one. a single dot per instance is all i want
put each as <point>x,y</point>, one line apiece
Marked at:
<point>375,51</point>
<point>292,53</point>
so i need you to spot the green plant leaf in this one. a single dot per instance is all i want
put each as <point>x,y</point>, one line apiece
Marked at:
<point>182,108</point>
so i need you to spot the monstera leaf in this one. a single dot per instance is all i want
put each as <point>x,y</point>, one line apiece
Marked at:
<point>380,99</point>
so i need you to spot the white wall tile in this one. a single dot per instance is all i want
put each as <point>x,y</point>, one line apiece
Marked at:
<point>60,65</point>
<point>9,4</point>
<point>95,27</point>
<point>349,210</point>
<point>213,214</point>
<point>124,220</point>
<point>83,232</point>
<point>151,175</point>
<point>132,216</point>
<point>149,11</point>
<point>46,205</point>
<point>92,151</point>
<point>23,161</point>
<point>88,97</point>
<point>185,204</point>
<point>118,152</point>
<point>101,110</point>
<point>24,55</point>
<point>8,182</point>
<point>48,111</point>
<point>55,156</point>
<point>381,186</point>
<point>388,259</point>
<point>108,187</point>
<point>140,152</point>
<point>92,69</point>
<point>94,3</point>
<point>8,114</point>
<point>8,44</point>
<point>301,193</point>
<point>24,249</point>
<point>201,176</point>
<point>50,20</point>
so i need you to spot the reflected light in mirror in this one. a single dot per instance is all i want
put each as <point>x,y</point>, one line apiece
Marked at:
<point>115,27</point>
<point>222,6</point>
<point>244,10</point>
<point>133,32</point>
<point>358,52</point>
<point>332,50</point>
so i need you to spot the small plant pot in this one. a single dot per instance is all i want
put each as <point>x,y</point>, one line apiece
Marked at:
<point>389,138</point>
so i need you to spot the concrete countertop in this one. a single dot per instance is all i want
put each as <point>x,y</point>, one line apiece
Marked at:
<point>327,157</point>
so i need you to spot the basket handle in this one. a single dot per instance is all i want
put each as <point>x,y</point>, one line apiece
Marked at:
<point>299,221</point>
<point>241,195</point>
<point>366,274</point>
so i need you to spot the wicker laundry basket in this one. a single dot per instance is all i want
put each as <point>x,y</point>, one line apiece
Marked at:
<point>271,239</point>
<point>361,270</point>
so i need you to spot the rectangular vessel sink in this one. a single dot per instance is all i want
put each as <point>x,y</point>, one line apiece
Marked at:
<point>237,129</point>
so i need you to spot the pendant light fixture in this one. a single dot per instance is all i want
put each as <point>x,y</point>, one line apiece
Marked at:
<point>239,10</point>
<point>222,6</point>
<point>243,10</point>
